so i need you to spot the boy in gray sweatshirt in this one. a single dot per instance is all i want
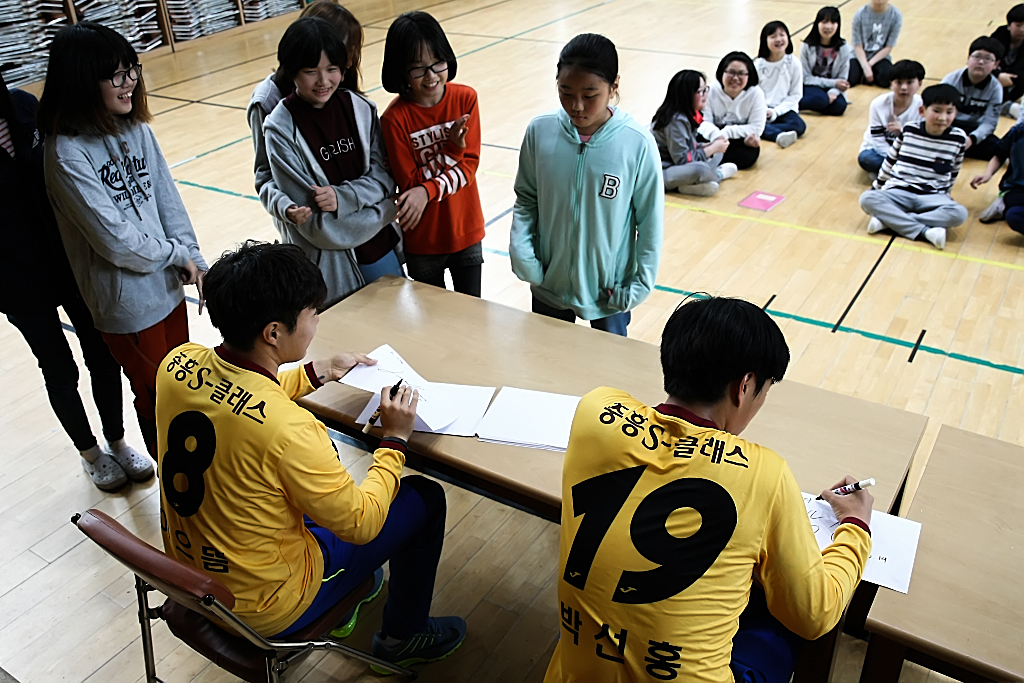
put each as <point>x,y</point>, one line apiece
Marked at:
<point>982,97</point>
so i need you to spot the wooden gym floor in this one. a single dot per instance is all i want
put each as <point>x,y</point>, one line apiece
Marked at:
<point>899,323</point>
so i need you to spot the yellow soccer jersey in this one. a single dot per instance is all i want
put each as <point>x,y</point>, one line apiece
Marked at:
<point>239,463</point>
<point>665,523</point>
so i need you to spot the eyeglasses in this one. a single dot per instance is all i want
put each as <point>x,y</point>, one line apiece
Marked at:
<point>737,74</point>
<point>421,71</point>
<point>704,91</point>
<point>121,77</point>
<point>983,58</point>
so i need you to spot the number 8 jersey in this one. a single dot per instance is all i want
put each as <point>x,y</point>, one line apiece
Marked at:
<point>665,521</point>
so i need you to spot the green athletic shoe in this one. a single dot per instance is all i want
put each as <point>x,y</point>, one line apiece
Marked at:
<point>348,624</point>
<point>441,638</point>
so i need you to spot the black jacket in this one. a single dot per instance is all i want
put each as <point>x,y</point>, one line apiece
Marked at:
<point>34,269</point>
<point>1002,34</point>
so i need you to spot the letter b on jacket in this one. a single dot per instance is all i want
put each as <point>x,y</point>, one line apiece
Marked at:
<point>610,188</point>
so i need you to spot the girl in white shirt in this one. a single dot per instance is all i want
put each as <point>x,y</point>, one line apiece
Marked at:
<point>736,110</point>
<point>781,78</point>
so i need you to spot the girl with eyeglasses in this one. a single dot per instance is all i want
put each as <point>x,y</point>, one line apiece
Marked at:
<point>736,110</point>
<point>327,157</point>
<point>825,58</point>
<point>276,86</point>
<point>432,131</point>
<point>123,224</point>
<point>689,165</point>
<point>588,219</point>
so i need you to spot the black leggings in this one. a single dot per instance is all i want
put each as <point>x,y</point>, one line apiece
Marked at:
<point>741,155</point>
<point>880,70</point>
<point>45,336</point>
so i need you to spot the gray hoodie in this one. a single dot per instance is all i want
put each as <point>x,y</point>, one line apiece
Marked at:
<point>978,113</point>
<point>265,97</point>
<point>364,205</point>
<point>123,225</point>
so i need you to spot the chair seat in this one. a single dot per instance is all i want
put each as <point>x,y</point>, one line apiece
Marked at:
<point>235,653</point>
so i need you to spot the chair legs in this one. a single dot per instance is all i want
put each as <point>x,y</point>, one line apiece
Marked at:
<point>145,615</point>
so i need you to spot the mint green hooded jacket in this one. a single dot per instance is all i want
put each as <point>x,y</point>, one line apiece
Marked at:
<point>587,222</point>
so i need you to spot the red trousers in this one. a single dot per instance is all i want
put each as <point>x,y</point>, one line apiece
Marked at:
<point>139,355</point>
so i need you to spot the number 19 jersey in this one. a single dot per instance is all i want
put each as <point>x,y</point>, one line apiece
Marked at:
<point>666,520</point>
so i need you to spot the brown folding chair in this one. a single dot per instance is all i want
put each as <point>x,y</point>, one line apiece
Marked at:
<point>198,611</point>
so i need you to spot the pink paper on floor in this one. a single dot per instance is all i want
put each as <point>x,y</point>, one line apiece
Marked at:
<point>762,201</point>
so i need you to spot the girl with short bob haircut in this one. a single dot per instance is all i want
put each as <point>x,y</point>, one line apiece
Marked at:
<point>736,110</point>
<point>781,78</point>
<point>825,58</point>
<point>432,130</point>
<point>277,85</point>
<point>124,227</point>
<point>688,164</point>
<point>327,155</point>
<point>588,219</point>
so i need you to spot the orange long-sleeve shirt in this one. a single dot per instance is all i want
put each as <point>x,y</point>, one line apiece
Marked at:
<point>421,154</point>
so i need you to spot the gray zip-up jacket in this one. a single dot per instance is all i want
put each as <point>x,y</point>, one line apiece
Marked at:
<point>265,97</point>
<point>123,224</point>
<point>978,113</point>
<point>365,205</point>
<point>840,68</point>
<point>677,142</point>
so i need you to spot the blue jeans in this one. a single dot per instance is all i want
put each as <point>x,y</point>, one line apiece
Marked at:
<point>385,265</point>
<point>763,650</point>
<point>790,121</point>
<point>411,539</point>
<point>816,99</point>
<point>616,324</point>
<point>870,160</point>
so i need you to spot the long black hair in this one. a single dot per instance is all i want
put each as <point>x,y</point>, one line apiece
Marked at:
<point>827,13</point>
<point>763,51</point>
<point>593,53</point>
<point>302,45</point>
<point>679,97</point>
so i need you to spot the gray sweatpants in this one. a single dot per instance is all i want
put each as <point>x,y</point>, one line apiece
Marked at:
<point>692,173</point>
<point>909,214</point>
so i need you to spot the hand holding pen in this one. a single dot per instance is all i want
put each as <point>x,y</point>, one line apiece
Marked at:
<point>856,503</point>
<point>397,411</point>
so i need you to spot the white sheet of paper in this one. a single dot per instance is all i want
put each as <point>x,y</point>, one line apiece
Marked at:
<point>432,408</point>
<point>893,543</point>
<point>533,419</point>
<point>469,403</point>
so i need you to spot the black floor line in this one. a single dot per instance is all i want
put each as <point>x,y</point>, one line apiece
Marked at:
<point>498,217</point>
<point>917,345</point>
<point>864,284</point>
<point>768,303</point>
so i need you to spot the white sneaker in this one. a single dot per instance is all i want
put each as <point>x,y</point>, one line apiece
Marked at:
<point>137,466</point>
<point>937,236</point>
<point>104,471</point>
<point>1014,110</point>
<point>875,225</point>
<point>699,189</point>
<point>995,211</point>
<point>786,139</point>
<point>727,170</point>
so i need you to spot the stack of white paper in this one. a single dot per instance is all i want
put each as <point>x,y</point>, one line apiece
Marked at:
<point>469,403</point>
<point>435,407</point>
<point>893,543</point>
<point>534,419</point>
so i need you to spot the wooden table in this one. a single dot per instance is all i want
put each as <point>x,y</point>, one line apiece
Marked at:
<point>964,614</point>
<point>448,337</point>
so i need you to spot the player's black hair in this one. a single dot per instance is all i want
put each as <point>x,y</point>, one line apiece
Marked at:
<point>258,284</point>
<point>709,343</point>
<point>349,28</point>
<point>679,98</point>
<point>408,37</point>
<point>770,28</point>
<point>1015,14</point>
<point>941,93</point>
<point>906,70</point>
<point>743,57</point>
<point>303,43</point>
<point>828,13</point>
<point>988,45</point>
<point>593,53</point>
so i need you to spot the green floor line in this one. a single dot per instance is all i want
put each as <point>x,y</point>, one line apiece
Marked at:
<point>216,149</point>
<point>778,314</point>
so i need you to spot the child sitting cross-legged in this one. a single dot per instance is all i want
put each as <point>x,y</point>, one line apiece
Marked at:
<point>911,195</point>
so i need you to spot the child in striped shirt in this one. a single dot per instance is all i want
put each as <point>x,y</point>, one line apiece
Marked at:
<point>911,195</point>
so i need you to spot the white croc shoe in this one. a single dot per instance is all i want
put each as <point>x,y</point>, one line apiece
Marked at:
<point>105,473</point>
<point>137,466</point>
